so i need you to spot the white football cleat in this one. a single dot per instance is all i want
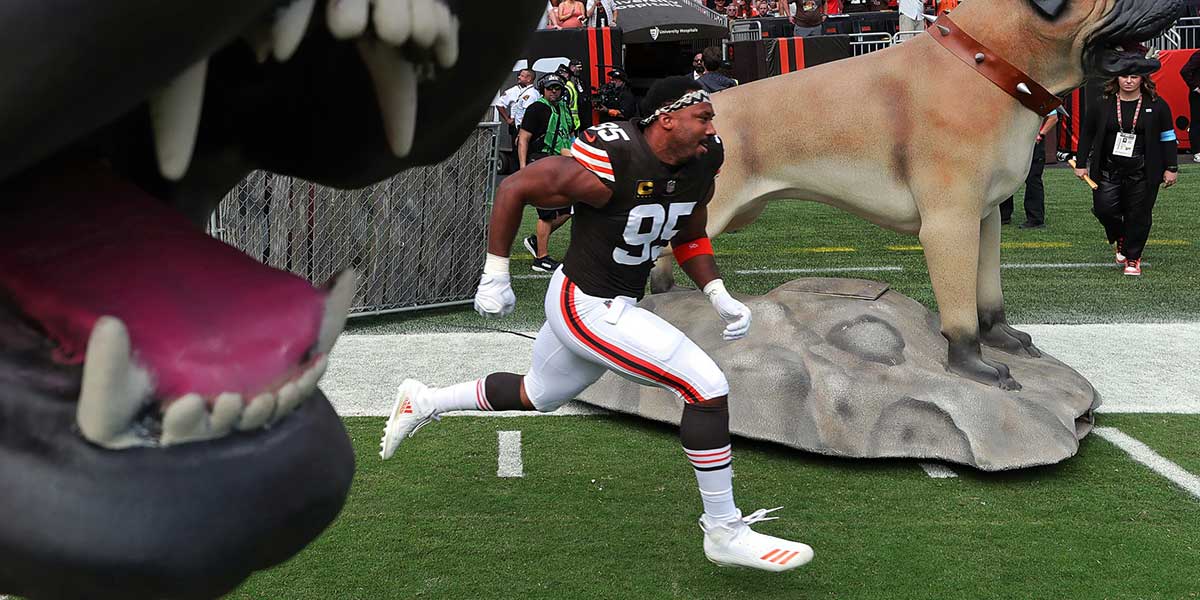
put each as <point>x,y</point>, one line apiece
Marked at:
<point>732,543</point>
<point>410,412</point>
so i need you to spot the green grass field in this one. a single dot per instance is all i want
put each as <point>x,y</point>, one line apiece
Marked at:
<point>607,506</point>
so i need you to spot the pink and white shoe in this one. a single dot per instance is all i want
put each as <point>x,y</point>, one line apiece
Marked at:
<point>731,543</point>
<point>1120,248</point>
<point>1133,266</point>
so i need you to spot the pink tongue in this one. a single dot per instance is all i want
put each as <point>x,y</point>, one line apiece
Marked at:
<point>202,316</point>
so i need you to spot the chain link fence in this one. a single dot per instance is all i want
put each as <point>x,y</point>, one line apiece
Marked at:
<point>417,240</point>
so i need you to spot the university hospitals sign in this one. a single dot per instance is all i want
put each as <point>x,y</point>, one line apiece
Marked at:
<point>689,32</point>
<point>645,21</point>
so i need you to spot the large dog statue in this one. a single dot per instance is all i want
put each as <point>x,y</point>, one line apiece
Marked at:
<point>930,146</point>
<point>161,430</point>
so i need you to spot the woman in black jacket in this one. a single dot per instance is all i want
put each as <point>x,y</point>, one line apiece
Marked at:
<point>1128,146</point>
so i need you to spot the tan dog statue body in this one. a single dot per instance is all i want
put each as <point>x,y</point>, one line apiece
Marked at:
<point>913,139</point>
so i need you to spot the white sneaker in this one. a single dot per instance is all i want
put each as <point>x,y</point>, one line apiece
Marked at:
<point>410,412</point>
<point>1196,157</point>
<point>732,543</point>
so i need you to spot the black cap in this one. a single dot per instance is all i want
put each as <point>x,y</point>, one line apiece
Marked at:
<point>552,79</point>
<point>577,63</point>
<point>618,74</point>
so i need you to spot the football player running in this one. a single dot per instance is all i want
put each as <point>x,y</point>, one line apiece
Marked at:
<point>636,187</point>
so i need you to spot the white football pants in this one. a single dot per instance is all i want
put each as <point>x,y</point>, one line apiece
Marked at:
<point>585,335</point>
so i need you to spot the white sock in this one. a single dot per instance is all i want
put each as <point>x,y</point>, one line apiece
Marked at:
<point>714,474</point>
<point>468,395</point>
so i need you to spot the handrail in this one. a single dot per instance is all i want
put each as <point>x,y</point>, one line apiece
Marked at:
<point>745,31</point>
<point>868,42</point>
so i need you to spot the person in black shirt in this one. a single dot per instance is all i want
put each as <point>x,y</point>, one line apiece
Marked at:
<point>1128,146</point>
<point>1035,190</point>
<point>638,186</point>
<point>621,108</point>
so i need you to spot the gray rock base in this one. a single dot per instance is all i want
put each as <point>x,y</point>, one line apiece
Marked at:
<point>847,367</point>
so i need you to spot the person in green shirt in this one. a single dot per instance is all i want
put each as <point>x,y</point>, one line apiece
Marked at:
<point>547,130</point>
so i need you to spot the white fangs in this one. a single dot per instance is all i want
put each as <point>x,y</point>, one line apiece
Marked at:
<point>347,18</point>
<point>258,412</point>
<point>393,21</point>
<point>191,419</point>
<point>226,412</point>
<point>337,307</point>
<point>288,29</point>
<point>175,117</point>
<point>425,25</point>
<point>446,46</point>
<point>186,420</point>
<point>113,391</point>
<point>395,81</point>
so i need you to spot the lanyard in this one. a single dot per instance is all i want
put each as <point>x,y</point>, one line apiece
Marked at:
<point>1137,111</point>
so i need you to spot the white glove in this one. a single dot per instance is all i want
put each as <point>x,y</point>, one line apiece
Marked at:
<point>735,314</point>
<point>494,298</point>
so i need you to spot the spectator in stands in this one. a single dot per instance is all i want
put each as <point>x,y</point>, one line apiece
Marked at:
<point>913,24</point>
<point>1191,76</point>
<point>602,13</point>
<point>697,66</point>
<point>571,14</point>
<point>546,131</point>
<point>744,9</point>
<point>945,6</point>
<point>808,18</point>
<point>712,80</point>
<point>512,103</point>
<point>552,14</point>
<point>764,9</point>
<point>1128,147</point>
<point>833,7</point>
<point>731,10</point>
<point>1035,191</point>
<point>720,5</point>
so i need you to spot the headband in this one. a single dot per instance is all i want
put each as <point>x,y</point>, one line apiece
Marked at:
<point>689,99</point>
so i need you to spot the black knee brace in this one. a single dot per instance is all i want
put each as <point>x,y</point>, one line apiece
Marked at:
<point>504,391</point>
<point>705,425</point>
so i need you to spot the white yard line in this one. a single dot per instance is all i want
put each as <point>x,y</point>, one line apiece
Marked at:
<point>1145,455</point>
<point>893,268</point>
<point>509,459</point>
<point>938,471</point>
<point>1137,368</point>
<point>818,270</point>
<point>1106,265</point>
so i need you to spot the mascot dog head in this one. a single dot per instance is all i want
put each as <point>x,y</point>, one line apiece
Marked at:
<point>1106,35</point>
<point>133,347</point>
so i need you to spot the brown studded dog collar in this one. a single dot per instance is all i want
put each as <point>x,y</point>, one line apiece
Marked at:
<point>989,64</point>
